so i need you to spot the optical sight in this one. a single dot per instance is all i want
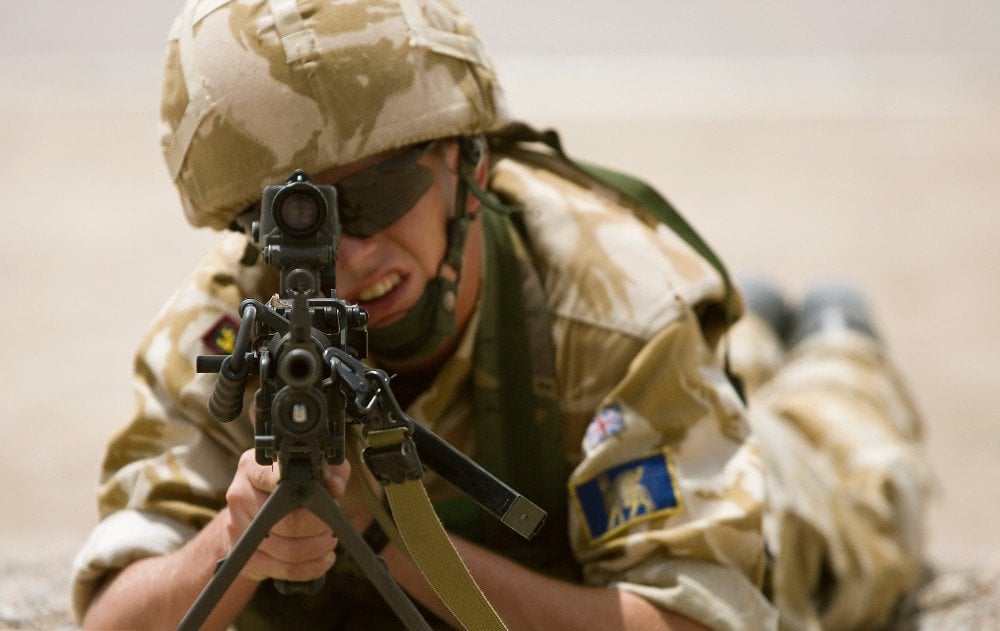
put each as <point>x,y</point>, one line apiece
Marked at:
<point>299,233</point>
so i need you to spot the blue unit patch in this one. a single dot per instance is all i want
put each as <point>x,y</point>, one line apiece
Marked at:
<point>627,494</point>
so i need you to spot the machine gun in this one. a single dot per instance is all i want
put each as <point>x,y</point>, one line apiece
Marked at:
<point>306,347</point>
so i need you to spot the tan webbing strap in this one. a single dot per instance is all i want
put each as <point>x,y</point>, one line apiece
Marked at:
<point>432,551</point>
<point>298,40</point>
<point>440,41</point>
<point>199,103</point>
<point>430,548</point>
<point>369,495</point>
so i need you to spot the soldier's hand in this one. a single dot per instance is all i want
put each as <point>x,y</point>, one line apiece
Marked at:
<point>300,546</point>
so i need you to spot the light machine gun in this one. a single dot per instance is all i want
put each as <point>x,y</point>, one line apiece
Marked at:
<point>306,346</point>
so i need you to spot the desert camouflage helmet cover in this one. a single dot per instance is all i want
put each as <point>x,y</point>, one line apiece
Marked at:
<point>256,88</point>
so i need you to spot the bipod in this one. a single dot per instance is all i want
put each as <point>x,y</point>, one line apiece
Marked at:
<point>300,486</point>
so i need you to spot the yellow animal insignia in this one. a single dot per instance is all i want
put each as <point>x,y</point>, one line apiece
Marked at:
<point>226,340</point>
<point>626,497</point>
<point>221,337</point>
<point>626,494</point>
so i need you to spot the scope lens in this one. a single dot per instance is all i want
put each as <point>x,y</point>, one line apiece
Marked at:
<point>300,213</point>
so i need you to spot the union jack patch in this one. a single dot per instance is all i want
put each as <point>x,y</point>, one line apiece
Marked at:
<point>221,338</point>
<point>626,494</point>
<point>609,422</point>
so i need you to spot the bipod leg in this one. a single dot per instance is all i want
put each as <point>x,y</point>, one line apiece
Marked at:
<point>322,505</point>
<point>282,501</point>
<point>297,488</point>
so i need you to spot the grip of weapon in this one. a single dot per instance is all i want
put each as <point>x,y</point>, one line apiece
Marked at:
<point>226,402</point>
<point>288,588</point>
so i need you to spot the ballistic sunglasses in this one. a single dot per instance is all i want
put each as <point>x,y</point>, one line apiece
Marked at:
<point>374,198</point>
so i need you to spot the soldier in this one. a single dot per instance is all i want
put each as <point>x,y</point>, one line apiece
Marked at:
<point>670,504</point>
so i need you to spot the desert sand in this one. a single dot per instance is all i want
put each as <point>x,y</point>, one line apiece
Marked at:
<point>881,172</point>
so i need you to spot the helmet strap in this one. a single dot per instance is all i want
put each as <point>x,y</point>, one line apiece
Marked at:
<point>419,332</point>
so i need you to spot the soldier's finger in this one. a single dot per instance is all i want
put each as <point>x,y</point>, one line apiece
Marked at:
<point>300,523</point>
<point>296,550</point>
<point>335,478</point>
<point>262,478</point>
<point>263,566</point>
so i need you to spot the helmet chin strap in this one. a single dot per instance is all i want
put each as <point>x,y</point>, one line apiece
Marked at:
<point>418,333</point>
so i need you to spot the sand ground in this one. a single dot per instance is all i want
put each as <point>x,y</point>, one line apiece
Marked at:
<point>901,201</point>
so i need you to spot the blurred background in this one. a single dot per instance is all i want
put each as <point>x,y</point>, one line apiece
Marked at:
<point>806,140</point>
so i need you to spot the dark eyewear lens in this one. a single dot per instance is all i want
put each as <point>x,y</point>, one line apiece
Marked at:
<point>372,200</point>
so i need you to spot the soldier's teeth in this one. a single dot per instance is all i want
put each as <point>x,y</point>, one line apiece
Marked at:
<point>380,288</point>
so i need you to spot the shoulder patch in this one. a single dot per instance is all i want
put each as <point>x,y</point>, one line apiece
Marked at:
<point>629,493</point>
<point>607,423</point>
<point>221,338</point>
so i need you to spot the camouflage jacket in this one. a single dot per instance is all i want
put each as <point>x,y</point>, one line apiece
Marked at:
<point>666,492</point>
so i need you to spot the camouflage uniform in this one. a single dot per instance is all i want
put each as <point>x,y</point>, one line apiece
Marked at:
<point>846,475</point>
<point>694,545</point>
<point>669,496</point>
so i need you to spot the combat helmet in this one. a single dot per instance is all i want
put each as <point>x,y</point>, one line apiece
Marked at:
<point>256,88</point>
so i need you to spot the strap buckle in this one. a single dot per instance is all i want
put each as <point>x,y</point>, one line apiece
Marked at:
<point>392,456</point>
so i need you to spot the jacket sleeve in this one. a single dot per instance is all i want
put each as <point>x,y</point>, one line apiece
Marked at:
<point>165,474</point>
<point>668,499</point>
<point>667,495</point>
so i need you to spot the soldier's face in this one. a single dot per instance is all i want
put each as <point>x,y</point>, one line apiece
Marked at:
<point>386,273</point>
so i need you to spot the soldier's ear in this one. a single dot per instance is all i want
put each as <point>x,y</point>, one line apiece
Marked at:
<point>474,168</point>
<point>475,154</point>
<point>473,150</point>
